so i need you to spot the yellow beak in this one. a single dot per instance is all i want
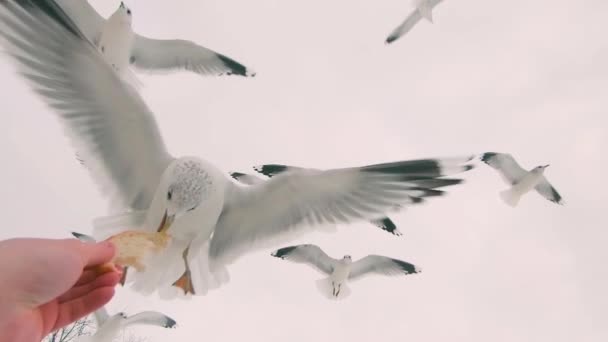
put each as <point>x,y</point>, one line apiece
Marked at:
<point>165,223</point>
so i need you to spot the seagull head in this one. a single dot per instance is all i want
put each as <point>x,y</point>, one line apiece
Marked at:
<point>347,259</point>
<point>541,168</point>
<point>188,183</point>
<point>123,13</point>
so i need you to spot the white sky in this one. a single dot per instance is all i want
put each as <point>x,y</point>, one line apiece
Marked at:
<point>518,76</point>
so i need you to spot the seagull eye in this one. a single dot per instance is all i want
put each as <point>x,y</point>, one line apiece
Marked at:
<point>169,195</point>
<point>129,12</point>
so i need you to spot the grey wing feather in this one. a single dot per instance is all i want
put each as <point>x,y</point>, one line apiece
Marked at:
<point>409,22</point>
<point>506,166</point>
<point>380,265</point>
<point>85,16</point>
<point>548,191</point>
<point>307,254</point>
<point>287,204</point>
<point>151,318</point>
<point>110,126</point>
<point>175,54</point>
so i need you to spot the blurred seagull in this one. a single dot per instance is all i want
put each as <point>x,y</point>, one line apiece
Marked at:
<point>424,9</point>
<point>210,219</point>
<point>122,47</point>
<point>521,181</point>
<point>342,271</point>
<point>109,327</point>
<point>384,223</point>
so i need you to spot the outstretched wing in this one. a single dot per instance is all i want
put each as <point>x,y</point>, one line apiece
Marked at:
<point>506,166</point>
<point>151,318</point>
<point>262,215</point>
<point>548,191</point>
<point>408,23</point>
<point>380,265</point>
<point>174,54</point>
<point>307,254</point>
<point>110,126</point>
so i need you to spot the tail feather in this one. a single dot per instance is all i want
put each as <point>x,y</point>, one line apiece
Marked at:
<point>510,197</point>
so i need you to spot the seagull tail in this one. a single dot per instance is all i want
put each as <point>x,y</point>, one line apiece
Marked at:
<point>325,288</point>
<point>510,197</point>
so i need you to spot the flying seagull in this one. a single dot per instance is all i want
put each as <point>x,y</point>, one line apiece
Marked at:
<point>424,9</point>
<point>384,223</point>
<point>122,47</point>
<point>521,181</point>
<point>109,327</point>
<point>208,216</point>
<point>342,271</point>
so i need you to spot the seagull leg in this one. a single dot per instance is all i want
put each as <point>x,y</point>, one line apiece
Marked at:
<point>185,281</point>
<point>339,287</point>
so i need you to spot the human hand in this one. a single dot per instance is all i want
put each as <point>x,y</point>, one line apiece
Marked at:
<point>46,284</point>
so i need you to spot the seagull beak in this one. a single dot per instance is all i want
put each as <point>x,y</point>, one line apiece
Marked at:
<point>546,166</point>
<point>122,4</point>
<point>165,223</point>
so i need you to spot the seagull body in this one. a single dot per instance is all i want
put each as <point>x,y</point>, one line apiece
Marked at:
<point>108,327</point>
<point>211,220</point>
<point>122,47</point>
<point>424,9</point>
<point>385,223</point>
<point>521,181</point>
<point>342,271</point>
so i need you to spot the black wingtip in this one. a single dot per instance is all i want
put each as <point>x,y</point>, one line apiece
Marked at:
<point>388,225</point>
<point>78,235</point>
<point>407,267</point>
<point>235,67</point>
<point>170,323</point>
<point>487,156</point>
<point>270,170</point>
<point>236,175</point>
<point>390,39</point>
<point>281,253</point>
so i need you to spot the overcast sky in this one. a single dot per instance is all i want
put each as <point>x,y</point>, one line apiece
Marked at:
<point>525,77</point>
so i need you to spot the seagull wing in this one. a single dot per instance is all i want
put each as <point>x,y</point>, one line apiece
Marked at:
<point>101,316</point>
<point>109,124</point>
<point>85,16</point>
<point>150,318</point>
<point>381,265</point>
<point>260,215</point>
<point>174,54</point>
<point>408,23</point>
<point>548,191</point>
<point>246,178</point>
<point>506,166</point>
<point>308,254</point>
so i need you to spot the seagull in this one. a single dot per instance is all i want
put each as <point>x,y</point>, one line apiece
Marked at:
<point>122,47</point>
<point>385,223</point>
<point>212,221</point>
<point>521,181</point>
<point>342,271</point>
<point>424,9</point>
<point>109,327</point>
